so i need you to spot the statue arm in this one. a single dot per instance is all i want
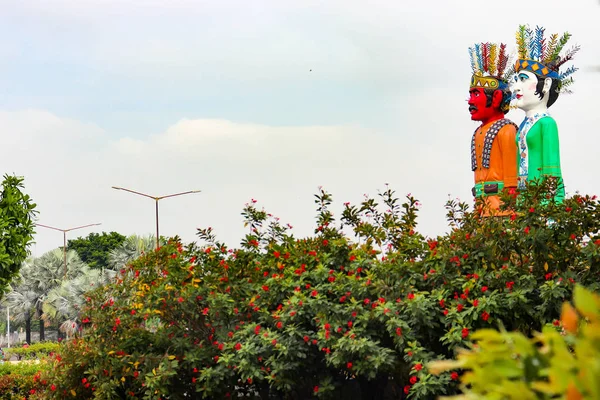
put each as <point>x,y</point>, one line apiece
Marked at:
<point>550,148</point>
<point>507,137</point>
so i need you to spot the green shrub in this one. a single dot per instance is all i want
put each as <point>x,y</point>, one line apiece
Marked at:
<point>33,351</point>
<point>21,380</point>
<point>560,362</point>
<point>328,316</point>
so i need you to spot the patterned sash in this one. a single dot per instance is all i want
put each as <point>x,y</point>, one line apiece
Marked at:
<point>523,151</point>
<point>487,143</point>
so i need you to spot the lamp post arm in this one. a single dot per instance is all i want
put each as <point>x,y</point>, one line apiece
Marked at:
<point>178,194</point>
<point>134,192</point>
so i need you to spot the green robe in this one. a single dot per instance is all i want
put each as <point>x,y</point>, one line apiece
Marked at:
<point>539,154</point>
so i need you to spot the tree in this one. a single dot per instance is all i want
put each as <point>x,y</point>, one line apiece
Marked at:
<point>16,228</point>
<point>39,277</point>
<point>130,249</point>
<point>95,248</point>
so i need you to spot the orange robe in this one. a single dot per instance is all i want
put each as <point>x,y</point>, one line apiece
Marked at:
<point>502,166</point>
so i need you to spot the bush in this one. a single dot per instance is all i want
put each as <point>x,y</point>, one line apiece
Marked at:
<point>329,316</point>
<point>561,361</point>
<point>31,352</point>
<point>20,380</point>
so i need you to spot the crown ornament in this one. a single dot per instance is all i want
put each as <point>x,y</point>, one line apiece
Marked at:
<point>542,55</point>
<point>489,62</point>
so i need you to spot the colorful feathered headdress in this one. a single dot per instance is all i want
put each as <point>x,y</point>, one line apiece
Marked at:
<point>489,62</point>
<point>542,57</point>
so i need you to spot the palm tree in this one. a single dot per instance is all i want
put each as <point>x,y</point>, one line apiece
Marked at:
<point>132,248</point>
<point>38,276</point>
<point>64,302</point>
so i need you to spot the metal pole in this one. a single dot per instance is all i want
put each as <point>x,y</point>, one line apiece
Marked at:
<point>157,243</point>
<point>65,251</point>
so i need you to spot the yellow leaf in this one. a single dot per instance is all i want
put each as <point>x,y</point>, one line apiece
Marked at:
<point>111,352</point>
<point>569,318</point>
<point>171,357</point>
<point>153,371</point>
<point>122,379</point>
<point>546,267</point>
<point>73,393</point>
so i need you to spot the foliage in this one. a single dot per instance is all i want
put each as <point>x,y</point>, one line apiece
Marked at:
<point>94,249</point>
<point>47,292</point>
<point>133,247</point>
<point>560,361</point>
<point>16,228</point>
<point>21,381</point>
<point>31,352</point>
<point>329,316</point>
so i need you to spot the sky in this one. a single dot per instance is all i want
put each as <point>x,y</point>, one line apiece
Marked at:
<point>264,100</point>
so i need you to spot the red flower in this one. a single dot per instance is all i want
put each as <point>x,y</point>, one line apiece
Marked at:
<point>316,389</point>
<point>510,285</point>
<point>325,242</point>
<point>556,322</point>
<point>413,380</point>
<point>484,289</point>
<point>573,237</point>
<point>331,279</point>
<point>349,365</point>
<point>410,296</point>
<point>485,316</point>
<point>548,275</point>
<point>53,387</point>
<point>406,389</point>
<point>327,327</point>
<point>265,288</point>
<point>442,303</point>
<point>279,325</point>
<point>465,333</point>
<point>513,217</point>
<point>238,346</point>
<point>274,342</point>
<point>526,230</point>
<point>418,367</point>
<point>454,376</point>
<point>475,303</point>
<point>349,324</point>
<point>314,293</point>
<point>446,312</point>
<point>180,299</point>
<point>459,307</point>
<point>352,258</point>
<point>276,254</point>
<point>306,339</point>
<point>399,331</point>
<point>531,210</point>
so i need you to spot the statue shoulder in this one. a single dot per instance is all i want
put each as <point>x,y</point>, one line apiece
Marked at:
<point>506,126</point>
<point>548,122</point>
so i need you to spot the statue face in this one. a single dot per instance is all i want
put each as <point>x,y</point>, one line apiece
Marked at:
<point>525,92</point>
<point>478,106</point>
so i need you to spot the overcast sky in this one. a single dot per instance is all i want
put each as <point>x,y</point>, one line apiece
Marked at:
<point>267,99</point>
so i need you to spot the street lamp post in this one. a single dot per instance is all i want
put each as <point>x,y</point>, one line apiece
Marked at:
<point>156,199</point>
<point>64,231</point>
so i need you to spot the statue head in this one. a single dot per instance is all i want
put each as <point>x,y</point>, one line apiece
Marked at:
<point>538,81</point>
<point>489,93</point>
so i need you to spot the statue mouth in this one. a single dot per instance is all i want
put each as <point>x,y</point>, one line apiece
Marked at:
<point>472,109</point>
